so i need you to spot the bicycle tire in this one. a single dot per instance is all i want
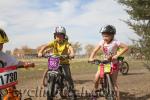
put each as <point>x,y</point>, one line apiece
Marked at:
<point>124,68</point>
<point>110,88</point>
<point>50,86</point>
<point>65,89</point>
<point>105,86</point>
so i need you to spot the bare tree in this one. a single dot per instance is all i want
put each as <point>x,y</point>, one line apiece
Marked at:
<point>77,48</point>
<point>88,49</point>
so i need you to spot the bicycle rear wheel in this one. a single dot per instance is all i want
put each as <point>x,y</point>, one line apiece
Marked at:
<point>124,68</point>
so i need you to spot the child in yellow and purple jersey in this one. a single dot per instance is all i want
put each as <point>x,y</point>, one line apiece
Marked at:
<point>61,46</point>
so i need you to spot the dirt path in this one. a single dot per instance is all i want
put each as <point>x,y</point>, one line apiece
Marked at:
<point>134,86</point>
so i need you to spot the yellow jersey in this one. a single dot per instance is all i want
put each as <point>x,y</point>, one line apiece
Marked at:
<point>60,49</point>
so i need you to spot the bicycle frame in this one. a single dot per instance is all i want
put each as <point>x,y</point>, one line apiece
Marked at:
<point>8,81</point>
<point>105,76</point>
<point>107,82</point>
<point>55,77</point>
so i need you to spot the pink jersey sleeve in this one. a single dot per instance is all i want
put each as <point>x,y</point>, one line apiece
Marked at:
<point>117,42</point>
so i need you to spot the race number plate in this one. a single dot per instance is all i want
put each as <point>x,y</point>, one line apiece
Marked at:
<point>53,63</point>
<point>8,77</point>
<point>107,68</point>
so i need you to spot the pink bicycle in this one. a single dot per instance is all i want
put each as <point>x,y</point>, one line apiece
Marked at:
<point>106,80</point>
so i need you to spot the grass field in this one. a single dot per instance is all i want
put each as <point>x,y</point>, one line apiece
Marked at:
<point>79,66</point>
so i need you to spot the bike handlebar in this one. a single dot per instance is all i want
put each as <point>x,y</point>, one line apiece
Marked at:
<point>97,62</point>
<point>60,56</point>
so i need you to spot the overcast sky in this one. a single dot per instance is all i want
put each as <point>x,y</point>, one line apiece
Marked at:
<point>32,22</point>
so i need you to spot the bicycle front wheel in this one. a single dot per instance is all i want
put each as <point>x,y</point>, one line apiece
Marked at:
<point>110,88</point>
<point>50,86</point>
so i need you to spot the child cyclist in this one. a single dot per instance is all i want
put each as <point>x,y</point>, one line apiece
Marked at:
<point>8,60</point>
<point>109,45</point>
<point>61,46</point>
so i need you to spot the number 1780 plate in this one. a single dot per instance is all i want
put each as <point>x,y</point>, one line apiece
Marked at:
<point>8,77</point>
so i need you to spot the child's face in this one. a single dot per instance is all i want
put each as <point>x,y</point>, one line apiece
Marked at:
<point>107,37</point>
<point>59,37</point>
<point>1,46</point>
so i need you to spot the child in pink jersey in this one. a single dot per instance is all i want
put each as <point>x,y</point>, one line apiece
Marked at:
<point>109,46</point>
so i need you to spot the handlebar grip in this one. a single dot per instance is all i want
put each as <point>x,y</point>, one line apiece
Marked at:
<point>105,61</point>
<point>89,61</point>
<point>97,62</point>
<point>93,62</point>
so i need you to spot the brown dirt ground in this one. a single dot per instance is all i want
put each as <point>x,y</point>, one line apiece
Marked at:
<point>134,86</point>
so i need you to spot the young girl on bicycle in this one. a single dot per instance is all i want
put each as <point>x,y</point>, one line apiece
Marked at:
<point>61,46</point>
<point>109,45</point>
<point>9,60</point>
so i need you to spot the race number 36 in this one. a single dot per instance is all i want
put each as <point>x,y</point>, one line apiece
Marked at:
<point>8,77</point>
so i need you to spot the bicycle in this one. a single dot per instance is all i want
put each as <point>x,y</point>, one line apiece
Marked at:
<point>123,66</point>
<point>8,81</point>
<point>106,80</point>
<point>56,82</point>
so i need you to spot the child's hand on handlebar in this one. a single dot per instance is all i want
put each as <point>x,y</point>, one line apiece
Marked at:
<point>71,56</point>
<point>28,64</point>
<point>109,58</point>
<point>91,59</point>
<point>114,57</point>
<point>40,54</point>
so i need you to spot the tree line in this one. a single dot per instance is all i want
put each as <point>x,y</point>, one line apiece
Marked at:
<point>78,49</point>
<point>139,12</point>
<point>25,50</point>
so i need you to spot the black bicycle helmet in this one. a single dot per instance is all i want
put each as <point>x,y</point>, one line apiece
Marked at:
<point>109,29</point>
